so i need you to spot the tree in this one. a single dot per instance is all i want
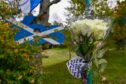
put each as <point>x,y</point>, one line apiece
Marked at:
<point>99,8</point>
<point>77,7</point>
<point>119,25</point>
<point>17,61</point>
<point>6,10</point>
<point>43,17</point>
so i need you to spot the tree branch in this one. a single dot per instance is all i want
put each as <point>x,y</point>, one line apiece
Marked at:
<point>45,10</point>
<point>54,2</point>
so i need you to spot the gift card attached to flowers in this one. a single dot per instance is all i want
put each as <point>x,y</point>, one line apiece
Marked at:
<point>75,66</point>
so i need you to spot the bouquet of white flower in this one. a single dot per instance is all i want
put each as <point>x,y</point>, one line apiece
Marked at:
<point>90,36</point>
<point>96,27</point>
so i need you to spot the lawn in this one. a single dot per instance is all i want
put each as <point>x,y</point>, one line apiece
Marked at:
<point>55,70</point>
<point>115,71</point>
<point>116,68</point>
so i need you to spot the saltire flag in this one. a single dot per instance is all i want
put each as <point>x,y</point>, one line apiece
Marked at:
<point>27,6</point>
<point>26,32</point>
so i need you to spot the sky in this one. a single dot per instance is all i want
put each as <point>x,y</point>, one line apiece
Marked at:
<point>58,10</point>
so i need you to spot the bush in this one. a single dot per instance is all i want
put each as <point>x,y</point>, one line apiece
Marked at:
<point>15,59</point>
<point>119,25</point>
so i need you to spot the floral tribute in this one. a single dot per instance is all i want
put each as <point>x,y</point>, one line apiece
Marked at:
<point>89,36</point>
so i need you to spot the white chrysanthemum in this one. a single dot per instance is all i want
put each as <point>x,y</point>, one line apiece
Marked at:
<point>88,26</point>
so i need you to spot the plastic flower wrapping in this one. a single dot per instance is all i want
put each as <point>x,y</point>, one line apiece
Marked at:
<point>90,36</point>
<point>96,27</point>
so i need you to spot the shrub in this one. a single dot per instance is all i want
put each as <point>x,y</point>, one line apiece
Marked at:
<point>119,25</point>
<point>15,59</point>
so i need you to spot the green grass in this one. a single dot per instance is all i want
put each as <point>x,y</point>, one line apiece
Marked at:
<point>55,70</point>
<point>115,71</point>
<point>116,68</point>
<point>56,55</point>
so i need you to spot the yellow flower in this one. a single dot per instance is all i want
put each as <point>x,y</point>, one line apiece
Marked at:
<point>26,56</point>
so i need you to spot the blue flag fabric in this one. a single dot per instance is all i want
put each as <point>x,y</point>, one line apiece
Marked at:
<point>34,3</point>
<point>27,32</point>
<point>27,6</point>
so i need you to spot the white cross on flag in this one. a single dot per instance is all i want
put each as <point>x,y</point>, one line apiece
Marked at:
<point>75,66</point>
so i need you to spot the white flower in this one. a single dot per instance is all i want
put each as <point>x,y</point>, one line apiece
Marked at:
<point>103,12</point>
<point>88,26</point>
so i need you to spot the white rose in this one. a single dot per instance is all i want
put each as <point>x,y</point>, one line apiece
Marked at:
<point>88,26</point>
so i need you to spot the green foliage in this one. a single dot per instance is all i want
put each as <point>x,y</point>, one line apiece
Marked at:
<point>77,7</point>
<point>85,46</point>
<point>68,40</point>
<point>92,49</point>
<point>18,62</point>
<point>15,59</point>
<point>7,10</point>
<point>99,8</point>
<point>119,25</point>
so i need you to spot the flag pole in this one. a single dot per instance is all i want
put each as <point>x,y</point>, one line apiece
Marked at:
<point>88,76</point>
<point>88,8</point>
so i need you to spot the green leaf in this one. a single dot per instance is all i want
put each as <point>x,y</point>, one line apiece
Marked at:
<point>102,61</point>
<point>102,67</point>
<point>101,53</point>
<point>1,56</point>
